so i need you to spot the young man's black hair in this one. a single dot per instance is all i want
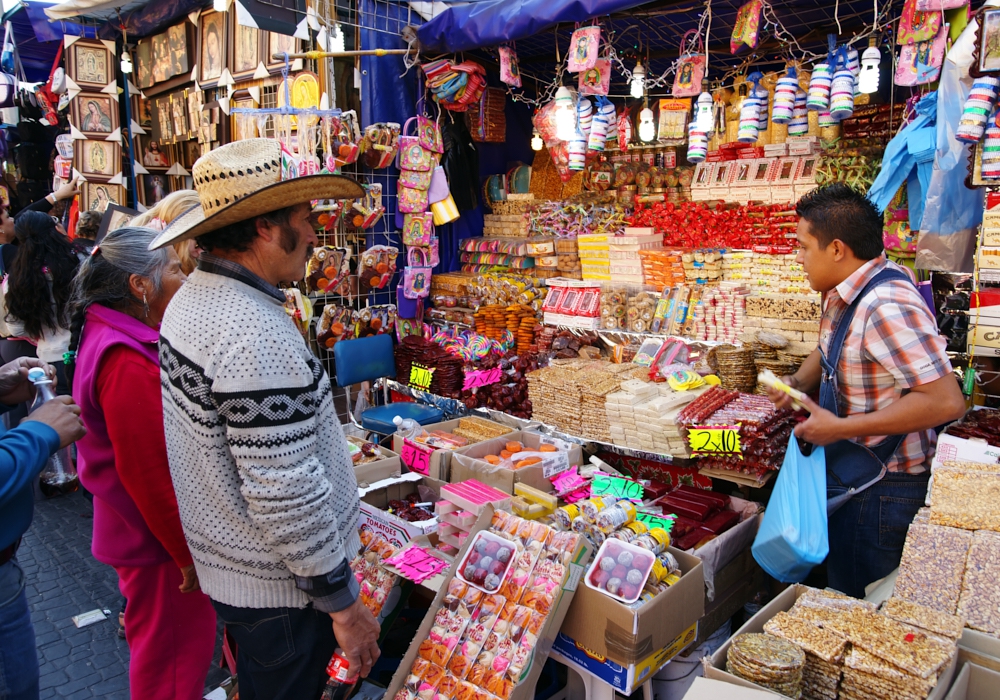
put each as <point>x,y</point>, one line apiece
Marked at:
<point>837,211</point>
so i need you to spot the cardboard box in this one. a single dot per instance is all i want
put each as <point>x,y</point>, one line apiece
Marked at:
<point>616,631</point>
<point>715,665</point>
<point>525,689</point>
<point>468,463</point>
<point>975,683</point>
<point>441,459</point>
<point>950,448</point>
<point>623,678</point>
<point>721,551</point>
<point>381,482</point>
<point>707,689</point>
<point>980,649</point>
<point>731,600</point>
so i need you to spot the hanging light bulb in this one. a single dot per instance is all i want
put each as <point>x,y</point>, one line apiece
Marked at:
<point>704,117</point>
<point>536,141</point>
<point>126,63</point>
<point>638,88</point>
<point>868,79</point>
<point>565,114</point>
<point>647,130</point>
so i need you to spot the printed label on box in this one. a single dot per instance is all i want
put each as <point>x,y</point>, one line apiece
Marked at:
<point>573,580</point>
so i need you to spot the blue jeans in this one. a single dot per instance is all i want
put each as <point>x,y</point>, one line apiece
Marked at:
<point>867,533</point>
<point>282,652</point>
<point>18,658</point>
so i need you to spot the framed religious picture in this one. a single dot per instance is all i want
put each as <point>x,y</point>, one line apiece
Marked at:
<point>162,63</point>
<point>98,157</point>
<point>163,129</point>
<point>90,64</point>
<point>191,153</point>
<point>94,113</point>
<point>244,126</point>
<point>245,50</point>
<point>178,113</point>
<point>143,109</point>
<point>279,44</point>
<point>155,186</point>
<point>211,47</point>
<point>152,154</point>
<point>177,45</point>
<point>144,63</point>
<point>97,196</point>
<point>986,51</point>
<point>115,216</point>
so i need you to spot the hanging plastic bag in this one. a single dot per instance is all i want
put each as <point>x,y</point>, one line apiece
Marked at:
<point>690,67</point>
<point>793,535</point>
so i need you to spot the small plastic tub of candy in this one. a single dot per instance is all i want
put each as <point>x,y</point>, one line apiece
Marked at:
<point>487,561</point>
<point>620,570</point>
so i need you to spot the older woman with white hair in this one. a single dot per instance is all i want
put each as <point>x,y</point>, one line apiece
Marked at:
<point>119,297</point>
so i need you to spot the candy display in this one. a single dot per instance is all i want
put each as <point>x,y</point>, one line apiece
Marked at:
<point>375,582</point>
<point>447,376</point>
<point>487,562</point>
<point>767,269</point>
<point>696,225</point>
<point>594,214</point>
<point>621,570</point>
<point>768,661</point>
<point>363,452</point>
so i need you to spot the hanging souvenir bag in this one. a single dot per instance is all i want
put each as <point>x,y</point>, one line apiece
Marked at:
<point>417,275</point>
<point>920,63</point>
<point>430,134</point>
<point>583,49</point>
<point>746,29</point>
<point>412,201</point>
<point>916,26</point>
<point>510,74</point>
<point>380,144</point>
<point>418,229</point>
<point>691,67</point>
<point>8,63</point>
<point>940,5</point>
<point>897,237</point>
<point>415,179</point>
<point>596,80</point>
<point>434,252</point>
<point>413,156</point>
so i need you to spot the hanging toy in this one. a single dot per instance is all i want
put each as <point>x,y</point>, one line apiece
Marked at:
<point>799,125</point>
<point>819,88</point>
<point>611,118</point>
<point>624,131</point>
<point>750,111</point>
<point>977,109</point>
<point>784,97</point>
<point>842,89</point>
<point>598,128</point>
<point>697,143</point>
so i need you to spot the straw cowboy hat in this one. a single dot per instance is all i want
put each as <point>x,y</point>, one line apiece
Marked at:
<point>242,180</point>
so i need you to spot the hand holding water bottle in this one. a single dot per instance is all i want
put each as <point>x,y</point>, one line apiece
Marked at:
<point>15,387</point>
<point>59,473</point>
<point>62,415</point>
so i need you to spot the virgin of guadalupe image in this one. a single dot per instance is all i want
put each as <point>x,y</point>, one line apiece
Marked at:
<point>96,119</point>
<point>102,200</point>
<point>582,47</point>
<point>687,73</point>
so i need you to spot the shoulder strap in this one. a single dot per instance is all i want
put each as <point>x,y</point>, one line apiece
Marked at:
<point>844,322</point>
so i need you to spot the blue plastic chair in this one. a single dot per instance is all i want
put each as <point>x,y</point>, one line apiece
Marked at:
<point>368,359</point>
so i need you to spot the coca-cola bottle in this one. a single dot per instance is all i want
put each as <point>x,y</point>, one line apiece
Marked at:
<point>59,473</point>
<point>342,680</point>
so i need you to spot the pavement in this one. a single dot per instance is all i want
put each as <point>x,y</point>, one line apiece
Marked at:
<point>65,580</point>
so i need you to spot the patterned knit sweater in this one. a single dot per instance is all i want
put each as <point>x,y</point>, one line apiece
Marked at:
<point>264,481</point>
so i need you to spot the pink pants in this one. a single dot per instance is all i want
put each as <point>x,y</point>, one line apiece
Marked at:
<point>171,635</point>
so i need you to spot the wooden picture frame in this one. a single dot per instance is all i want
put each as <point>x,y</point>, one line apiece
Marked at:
<point>90,64</point>
<point>94,114</point>
<point>143,111</point>
<point>152,155</point>
<point>98,195</point>
<point>155,186</point>
<point>98,158</point>
<point>212,47</point>
<point>115,216</point>
<point>250,126</point>
<point>986,50</point>
<point>278,43</point>
<point>144,63</point>
<point>246,50</point>
<point>179,43</point>
<point>163,126</point>
<point>179,116</point>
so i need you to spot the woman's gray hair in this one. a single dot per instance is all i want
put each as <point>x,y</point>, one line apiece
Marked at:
<point>103,278</point>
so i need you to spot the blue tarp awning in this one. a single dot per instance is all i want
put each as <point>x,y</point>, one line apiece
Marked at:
<point>37,39</point>
<point>495,22</point>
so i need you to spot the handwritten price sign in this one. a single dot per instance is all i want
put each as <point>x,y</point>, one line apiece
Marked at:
<point>715,440</point>
<point>481,377</point>
<point>421,377</point>
<point>622,489</point>
<point>417,564</point>
<point>652,520</point>
<point>416,457</point>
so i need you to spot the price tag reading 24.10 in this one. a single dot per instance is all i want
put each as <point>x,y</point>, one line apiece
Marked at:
<point>715,440</point>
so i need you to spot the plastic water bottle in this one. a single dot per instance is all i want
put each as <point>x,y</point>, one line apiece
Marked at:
<point>59,474</point>
<point>340,683</point>
<point>407,428</point>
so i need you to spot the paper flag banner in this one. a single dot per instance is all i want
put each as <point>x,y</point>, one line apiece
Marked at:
<point>178,169</point>
<point>69,41</point>
<point>193,16</point>
<point>115,136</point>
<point>225,106</point>
<point>138,169</point>
<point>136,129</point>
<point>324,101</point>
<point>322,38</point>
<point>311,19</point>
<point>226,78</point>
<point>75,133</point>
<point>140,208</point>
<point>78,176</point>
<point>296,65</point>
<point>111,46</point>
<point>117,179</point>
<point>302,30</point>
<point>261,72</point>
<point>244,17</point>
<point>194,75</point>
<point>254,91</point>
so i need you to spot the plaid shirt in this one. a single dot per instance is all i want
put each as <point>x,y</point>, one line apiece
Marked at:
<point>892,345</point>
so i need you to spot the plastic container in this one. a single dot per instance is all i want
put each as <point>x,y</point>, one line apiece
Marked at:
<point>620,571</point>
<point>487,561</point>
<point>59,473</point>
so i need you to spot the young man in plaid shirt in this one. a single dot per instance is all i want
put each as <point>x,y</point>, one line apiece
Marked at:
<point>884,383</point>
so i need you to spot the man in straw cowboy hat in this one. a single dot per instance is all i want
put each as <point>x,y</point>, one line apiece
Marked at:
<point>264,481</point>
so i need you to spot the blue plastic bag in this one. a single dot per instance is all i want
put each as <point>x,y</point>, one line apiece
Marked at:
<point>793,535</point>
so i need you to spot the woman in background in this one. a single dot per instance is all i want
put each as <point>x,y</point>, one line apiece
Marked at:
<point>164,213</point>
<point>119,297</point>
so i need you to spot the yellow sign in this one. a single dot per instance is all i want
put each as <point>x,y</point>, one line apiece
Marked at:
<point>715,440</point>
<point>420,376</point>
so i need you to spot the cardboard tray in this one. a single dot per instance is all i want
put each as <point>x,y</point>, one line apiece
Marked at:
<point>441,459</point>
<point>718,553</point>
<point>525,689</point>
<point>381,482</point>
<point>975,683</point>
<point>616,631</point>
<point>468,463</point>
<point>715,665</point>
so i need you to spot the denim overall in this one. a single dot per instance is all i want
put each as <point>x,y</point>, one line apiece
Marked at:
<point>870,509</point>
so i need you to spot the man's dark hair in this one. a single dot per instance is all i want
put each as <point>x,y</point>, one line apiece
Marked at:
<point>836,211</point>
<point>239,236</point>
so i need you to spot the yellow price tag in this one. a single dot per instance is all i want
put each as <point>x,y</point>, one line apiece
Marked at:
<point>420,376</point>
<point>715,439</point>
